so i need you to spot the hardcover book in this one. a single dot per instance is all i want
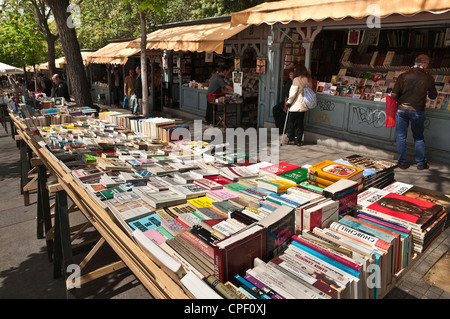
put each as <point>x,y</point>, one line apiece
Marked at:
<point>280,226</point>
<point>234,255</point>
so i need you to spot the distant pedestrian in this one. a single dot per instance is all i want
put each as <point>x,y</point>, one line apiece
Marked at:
<point>410,92</point>
<point>116,84</point>
<point>280,109</point>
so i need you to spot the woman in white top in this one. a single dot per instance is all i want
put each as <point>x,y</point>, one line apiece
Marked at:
<point>296,105</point>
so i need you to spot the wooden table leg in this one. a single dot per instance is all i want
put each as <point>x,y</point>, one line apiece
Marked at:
<point>43,215</point>
<point>62,249</point>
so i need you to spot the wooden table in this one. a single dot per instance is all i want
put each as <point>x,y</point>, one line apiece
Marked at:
<point>161,282</point>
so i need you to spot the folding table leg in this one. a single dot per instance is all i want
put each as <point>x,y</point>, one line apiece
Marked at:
<point>62,252</point>
<point>44,221</point>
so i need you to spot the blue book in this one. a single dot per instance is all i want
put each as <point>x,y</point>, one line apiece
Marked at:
<point>283,200</point>
<point>146,222</point>
<point>252,289</point>
<point>257,192</point>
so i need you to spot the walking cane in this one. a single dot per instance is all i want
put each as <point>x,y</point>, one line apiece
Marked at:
<point>284,129</point>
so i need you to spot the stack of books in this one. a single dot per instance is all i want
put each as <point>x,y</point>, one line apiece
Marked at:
<point>328,172</point>
<point>423,219</point>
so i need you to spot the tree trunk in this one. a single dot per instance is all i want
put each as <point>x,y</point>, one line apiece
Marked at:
<point>51,53</point>
<point>71,47</point>
<point>144,71</point>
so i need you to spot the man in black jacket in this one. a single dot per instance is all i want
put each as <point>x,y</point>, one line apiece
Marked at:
<point>61,89</point>
<point>410,92</point>
<point>44,84</point>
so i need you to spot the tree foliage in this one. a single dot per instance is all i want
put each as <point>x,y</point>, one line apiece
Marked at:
<point>21,43</point>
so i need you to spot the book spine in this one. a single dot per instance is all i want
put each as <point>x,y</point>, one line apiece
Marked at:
<point>358,235</point>
<point>218,264</point>
<point>326,259</point>
<point>221,288</point>
<point>324,252</point>
<point>270,292</point>
<point>321,288</point>
<point>207,249</point>
<point>172,243</point>
<point>252,289</point>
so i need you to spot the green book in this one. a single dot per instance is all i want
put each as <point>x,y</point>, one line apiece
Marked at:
<point>237,187</point>
<point>109,193</point>
<point>297,175</point>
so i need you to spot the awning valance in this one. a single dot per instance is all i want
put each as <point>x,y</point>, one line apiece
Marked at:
<point>9,69</point>
<point>207,37</point>
<point>301,10</point>
<point>113,53</point>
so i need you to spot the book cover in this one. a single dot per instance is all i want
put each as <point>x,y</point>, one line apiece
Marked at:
<point>408,209</point>
<point>200,202</point>
<point>234,254</point>
<point>297,175</point>
<point>280,226</point>
<point>144,223</point>
<point>277,169</point>
<point>220,194</point>
<point>334,171</point>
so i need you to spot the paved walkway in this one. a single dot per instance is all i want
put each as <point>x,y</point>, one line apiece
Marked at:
<point>25,271</point>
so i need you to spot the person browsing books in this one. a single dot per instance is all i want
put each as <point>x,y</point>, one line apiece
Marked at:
<point>410,92</point>
<point>61,89</point>
<point>296,105</point>
<point>217,84</point>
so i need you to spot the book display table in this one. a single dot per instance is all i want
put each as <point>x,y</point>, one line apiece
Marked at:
<point>263,218</point>
<point>159,281</point>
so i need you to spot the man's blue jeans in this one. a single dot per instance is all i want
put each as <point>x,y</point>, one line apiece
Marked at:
<point>417,120</point>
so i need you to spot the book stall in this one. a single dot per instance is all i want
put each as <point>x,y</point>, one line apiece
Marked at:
<point>194,50</point>
<point>192,221</point>
<point>355,57</point>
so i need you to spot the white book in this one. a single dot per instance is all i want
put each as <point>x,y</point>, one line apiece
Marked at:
<point>159,253</point>
<point>341,285</point>
<point>198,287</point>
<point>356,283</point>
<point>286,284</point>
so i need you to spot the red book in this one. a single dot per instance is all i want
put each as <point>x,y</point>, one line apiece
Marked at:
<point>234,255</point>
<point>277,169</point>
<point>197,242</point>
<point>219,179</point>
<point>407,209</point>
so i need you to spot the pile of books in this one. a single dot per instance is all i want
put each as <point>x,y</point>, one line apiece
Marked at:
<point>220,223</point>
<point>407,208</point>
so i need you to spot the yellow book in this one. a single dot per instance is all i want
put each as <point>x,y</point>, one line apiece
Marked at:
<point>201,202</point>
<point>334,171</point>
